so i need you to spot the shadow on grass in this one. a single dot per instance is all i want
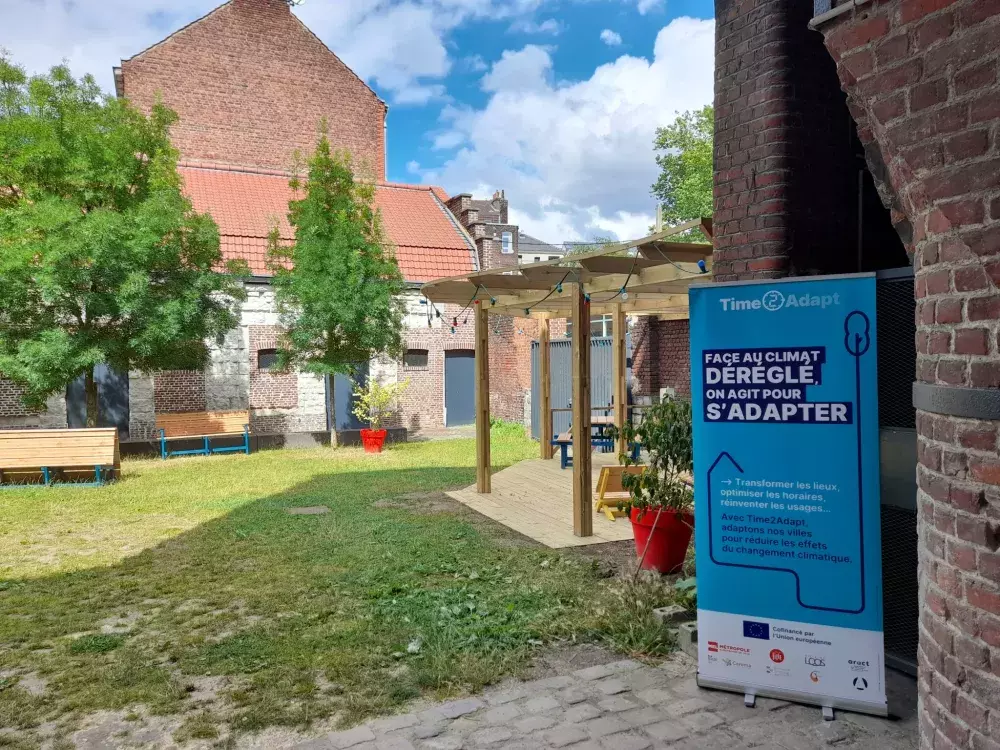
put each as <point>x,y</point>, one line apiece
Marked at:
<point>348,613</point>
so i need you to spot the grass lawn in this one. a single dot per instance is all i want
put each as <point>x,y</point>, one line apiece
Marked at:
<point>190,573</point>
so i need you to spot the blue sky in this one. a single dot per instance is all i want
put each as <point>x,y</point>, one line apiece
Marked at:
<point>554,101</point>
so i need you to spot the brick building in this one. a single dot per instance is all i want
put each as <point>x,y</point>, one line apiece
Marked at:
<point>865,135</point>
<point>251,85</point>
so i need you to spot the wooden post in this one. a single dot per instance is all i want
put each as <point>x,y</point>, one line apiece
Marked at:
<point>619,374</point>
<point>482,399</point>
<point>583,513</point>
<point>545,388</point>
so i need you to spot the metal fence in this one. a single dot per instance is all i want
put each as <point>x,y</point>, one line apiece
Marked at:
<point>562,381</point>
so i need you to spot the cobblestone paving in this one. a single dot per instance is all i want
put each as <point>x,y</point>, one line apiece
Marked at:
<point>625,705</point>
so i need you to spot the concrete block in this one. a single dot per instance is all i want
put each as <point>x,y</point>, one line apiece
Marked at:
<point>672,614</point>
<point>687,638</point>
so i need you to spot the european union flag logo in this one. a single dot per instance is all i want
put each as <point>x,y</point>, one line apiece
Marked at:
<point>759,630</point>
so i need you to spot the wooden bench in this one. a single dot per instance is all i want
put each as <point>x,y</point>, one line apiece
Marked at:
<point>564,440</point>
<point>203,425</point>
<point>74,454</point>
<point>610,490</point>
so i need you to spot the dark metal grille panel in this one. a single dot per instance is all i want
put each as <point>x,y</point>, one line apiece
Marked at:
<point>897,355</point>
<point>899,587</point>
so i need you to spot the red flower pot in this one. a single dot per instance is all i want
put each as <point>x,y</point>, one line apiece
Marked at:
<point>668,543</point>
<point>373,440</point>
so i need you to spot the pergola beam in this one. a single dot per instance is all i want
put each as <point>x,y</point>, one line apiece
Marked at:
<point>482,368</point>
<point>583,521</point>
<point>545,386</point>
<point>619,372</point>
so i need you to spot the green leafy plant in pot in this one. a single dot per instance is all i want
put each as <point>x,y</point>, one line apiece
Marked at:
<point>661,499</point>
<point>374,402</point>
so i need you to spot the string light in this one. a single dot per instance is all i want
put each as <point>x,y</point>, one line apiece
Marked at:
<point>556,288</point>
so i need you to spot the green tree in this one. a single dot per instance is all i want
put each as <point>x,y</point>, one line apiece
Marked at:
<point>684,187</point>
<point>102,259</point>
<point>338,285</point>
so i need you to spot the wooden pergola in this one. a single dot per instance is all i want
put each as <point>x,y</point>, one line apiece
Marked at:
<point>649,276</point>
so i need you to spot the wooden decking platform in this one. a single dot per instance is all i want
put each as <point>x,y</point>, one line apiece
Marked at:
<point>535,498</point>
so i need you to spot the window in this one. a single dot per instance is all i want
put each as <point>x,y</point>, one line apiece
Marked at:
<point>267,359</point>
<point>537,258</point>
<point>507,243</point>
<point>553,257</point>
<point>415,358</point>
<point>600,326</point>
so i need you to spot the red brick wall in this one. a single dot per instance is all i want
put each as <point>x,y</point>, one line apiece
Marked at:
<point>661,357</point>
<point>270,390</point>
<point>251,84</point>
<point>510,367</point>
<point>783,200</point>
<point>179,390</point>
<point>10,400</point>
<point>922,77</point>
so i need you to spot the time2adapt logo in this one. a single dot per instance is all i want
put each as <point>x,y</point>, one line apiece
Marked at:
<point>773,300</point>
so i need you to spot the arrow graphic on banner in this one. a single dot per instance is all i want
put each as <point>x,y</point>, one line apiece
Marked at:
<point>798,583</point>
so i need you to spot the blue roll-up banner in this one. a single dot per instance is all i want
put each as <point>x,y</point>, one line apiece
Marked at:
<point>786,460</point>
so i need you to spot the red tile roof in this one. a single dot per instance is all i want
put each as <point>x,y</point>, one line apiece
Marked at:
<point>247,204</point>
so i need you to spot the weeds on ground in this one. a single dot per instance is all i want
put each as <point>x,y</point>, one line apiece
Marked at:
<point>192,570</point>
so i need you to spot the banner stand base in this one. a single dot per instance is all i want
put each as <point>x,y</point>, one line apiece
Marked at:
<point>827,713</point>
<point>749,700</point>
<point>824,702</point>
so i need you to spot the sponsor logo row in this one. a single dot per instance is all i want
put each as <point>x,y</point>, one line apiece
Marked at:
<point>737,657</point>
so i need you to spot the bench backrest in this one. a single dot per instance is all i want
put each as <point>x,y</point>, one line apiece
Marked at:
<point>182,424</point>
<point>84,448</point>
<point>611,477</point>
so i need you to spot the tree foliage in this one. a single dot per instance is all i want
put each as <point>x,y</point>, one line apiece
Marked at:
<point>375,401</point>
<point>102,259</point>
<point>665,434</point>
<point>338,285</point>
<point>684,187</point>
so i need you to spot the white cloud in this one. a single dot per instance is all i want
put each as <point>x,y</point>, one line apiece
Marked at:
<point>401,46</point>
<point>611,38</point>
<point>548,26</point>
<point>644,6</point>
<point>413,167</point>
<point>576,158</point>
<point>525,70</point>
<point>91,37</point>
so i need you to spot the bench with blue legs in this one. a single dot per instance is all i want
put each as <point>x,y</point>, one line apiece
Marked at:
<point>205,426</point>
<point>86,457</point>
<point>564,440</point>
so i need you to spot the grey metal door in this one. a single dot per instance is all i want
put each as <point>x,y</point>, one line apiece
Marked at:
<point>343,400</point>
<point>459,387</point>
<point>112,400</point>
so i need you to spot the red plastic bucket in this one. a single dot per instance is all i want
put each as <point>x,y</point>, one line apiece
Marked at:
<point>373,440</point>
<point>668,543</point>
